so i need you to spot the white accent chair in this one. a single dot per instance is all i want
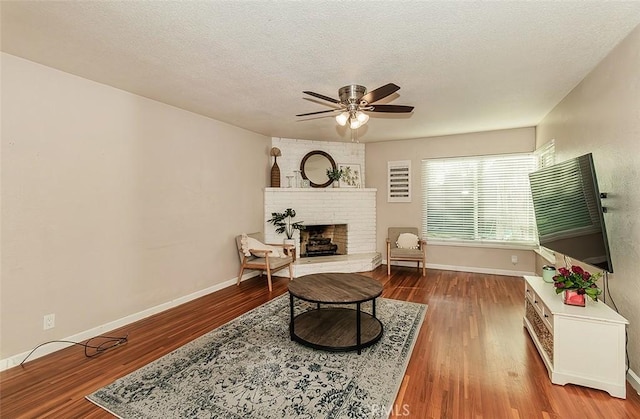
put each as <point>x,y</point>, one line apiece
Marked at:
<point>413,255</point>
<point>258,259</point>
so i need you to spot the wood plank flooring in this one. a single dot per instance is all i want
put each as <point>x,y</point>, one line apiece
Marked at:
<point>472,359</point>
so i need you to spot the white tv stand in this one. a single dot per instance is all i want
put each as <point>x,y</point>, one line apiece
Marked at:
<point>579,345</point>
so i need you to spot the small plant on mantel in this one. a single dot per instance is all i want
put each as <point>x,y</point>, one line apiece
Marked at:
<point>284,224</point>
<point>335,174</point>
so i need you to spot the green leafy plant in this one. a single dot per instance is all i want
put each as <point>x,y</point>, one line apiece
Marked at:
<point>335,174</point>
<point>284,223</point>
<point>578,279</point>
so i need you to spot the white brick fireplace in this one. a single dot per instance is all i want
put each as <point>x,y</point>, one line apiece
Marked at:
<point>351,206</point>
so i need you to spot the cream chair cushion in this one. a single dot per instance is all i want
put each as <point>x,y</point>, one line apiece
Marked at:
<point>249,243</point>
<point>408,241</point>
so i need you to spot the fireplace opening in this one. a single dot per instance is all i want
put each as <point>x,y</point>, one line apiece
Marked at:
<point>323,240</point>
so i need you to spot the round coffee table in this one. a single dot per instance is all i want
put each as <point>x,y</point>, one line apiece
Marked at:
<point>335,328</point>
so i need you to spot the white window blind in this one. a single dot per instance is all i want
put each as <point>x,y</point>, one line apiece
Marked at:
<point>399,181</point>
<point>546,154</point>
<point>479,199</point>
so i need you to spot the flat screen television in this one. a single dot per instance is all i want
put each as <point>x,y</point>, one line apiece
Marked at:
<point>569,212</point>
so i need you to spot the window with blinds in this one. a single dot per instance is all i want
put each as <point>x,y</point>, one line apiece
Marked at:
<point>479,199</point>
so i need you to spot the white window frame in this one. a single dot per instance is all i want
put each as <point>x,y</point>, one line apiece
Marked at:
<point>546,154</point>
<point>478,221</point>
<point>399,181</point>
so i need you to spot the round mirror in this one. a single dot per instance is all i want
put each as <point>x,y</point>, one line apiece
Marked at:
<point>314,168</point>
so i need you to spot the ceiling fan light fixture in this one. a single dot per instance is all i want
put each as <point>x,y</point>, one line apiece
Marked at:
<point>354,123</point>
<point>354,100</point>
<point>342,119</point>
<point>362,117</point>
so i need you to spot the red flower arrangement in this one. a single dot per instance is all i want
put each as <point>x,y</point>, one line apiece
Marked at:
<point>577,279</point>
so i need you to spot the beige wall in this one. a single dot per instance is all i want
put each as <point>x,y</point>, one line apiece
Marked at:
<point>480,259</point>
<point>113,203</point>
<point>602,116</point>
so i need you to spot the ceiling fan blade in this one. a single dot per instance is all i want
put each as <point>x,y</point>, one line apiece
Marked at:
<point>314,113</point>
<point>323,97</point>
<point>380,93</point>
<point>391,108</point>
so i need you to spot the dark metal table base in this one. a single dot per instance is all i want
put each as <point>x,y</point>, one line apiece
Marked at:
<point>335,328</point>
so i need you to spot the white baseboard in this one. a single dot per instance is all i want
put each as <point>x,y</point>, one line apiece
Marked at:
<point>473,269</point>
<point>634,380</point>
<point>15,360</point>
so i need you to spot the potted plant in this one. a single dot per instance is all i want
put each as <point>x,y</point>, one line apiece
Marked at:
<point>335,175</point>
<point>283,221</point>
<point>576,283</point>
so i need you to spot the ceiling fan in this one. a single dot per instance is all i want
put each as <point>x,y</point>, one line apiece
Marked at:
<point>355,101</point>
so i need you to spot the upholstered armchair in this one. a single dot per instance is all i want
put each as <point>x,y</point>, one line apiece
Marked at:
<point>404,244</point>
<point>258,258</point>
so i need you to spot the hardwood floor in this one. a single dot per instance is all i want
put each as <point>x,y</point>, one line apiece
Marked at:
<point>472,359</point>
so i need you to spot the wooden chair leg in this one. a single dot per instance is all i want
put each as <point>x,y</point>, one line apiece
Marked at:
<point>291,272</point>
<point>388,258</point>
<point>240,274</point>
<point>269,280</point>
<point>424,267</point>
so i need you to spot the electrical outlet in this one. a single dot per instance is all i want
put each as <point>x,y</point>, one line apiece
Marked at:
<point>49,321</point>
<point>514,259</point>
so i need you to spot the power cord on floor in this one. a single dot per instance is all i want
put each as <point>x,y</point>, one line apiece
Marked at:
<point>90,351</point>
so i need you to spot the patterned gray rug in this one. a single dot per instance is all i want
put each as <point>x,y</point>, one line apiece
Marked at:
<point>249,368</point>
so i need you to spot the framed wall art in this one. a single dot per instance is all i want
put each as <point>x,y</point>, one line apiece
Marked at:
<point>351,175</point>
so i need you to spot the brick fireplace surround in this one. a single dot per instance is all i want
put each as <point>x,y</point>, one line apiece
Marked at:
<point>354,207</point>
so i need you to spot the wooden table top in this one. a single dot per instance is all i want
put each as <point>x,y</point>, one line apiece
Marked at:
<point>335,288</point>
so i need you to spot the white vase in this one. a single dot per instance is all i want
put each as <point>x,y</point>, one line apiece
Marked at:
<point>336,184</point>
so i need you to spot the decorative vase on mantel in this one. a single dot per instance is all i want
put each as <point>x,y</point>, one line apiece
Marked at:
<point>572,298</point>
<point>336,183</point>
<point>275,169</point>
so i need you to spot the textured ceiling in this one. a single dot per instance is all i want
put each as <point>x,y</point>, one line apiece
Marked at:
<point>466,67</point>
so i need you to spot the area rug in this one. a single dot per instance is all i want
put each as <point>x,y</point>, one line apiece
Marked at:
<point>249,368</point>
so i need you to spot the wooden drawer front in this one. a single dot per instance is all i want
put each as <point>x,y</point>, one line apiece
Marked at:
<point>545,337</point>
<point>547,317</point>
<point>537,303</point>
<point>528,292</point>
<point>541,308</point>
